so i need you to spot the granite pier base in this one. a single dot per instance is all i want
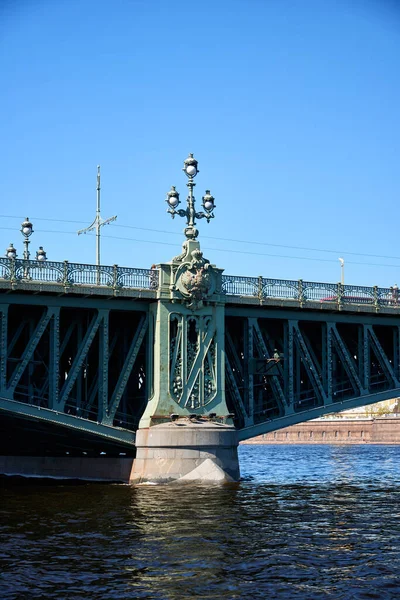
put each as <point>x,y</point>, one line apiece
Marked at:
<point>186,451</point>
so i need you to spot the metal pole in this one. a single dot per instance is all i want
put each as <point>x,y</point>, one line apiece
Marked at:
<point>98,218</point>
<point>26,251</point>
<point>26,257</point>
<point>190,200</point>
<point>97,225</point>
<point>341,260</point>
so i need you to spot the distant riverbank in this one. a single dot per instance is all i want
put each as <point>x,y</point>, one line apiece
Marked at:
<point>380,430</point>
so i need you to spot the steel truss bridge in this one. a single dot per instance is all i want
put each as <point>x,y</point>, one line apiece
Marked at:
<point>77,346</point>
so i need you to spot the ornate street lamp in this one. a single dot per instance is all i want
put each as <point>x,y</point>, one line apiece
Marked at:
<point>41,255</point>
<point>190,167</point>
<point>26,230</point>
<point>11,252</point>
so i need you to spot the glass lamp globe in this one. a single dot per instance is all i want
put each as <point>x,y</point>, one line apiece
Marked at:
<point>191,170</point>
<point>173,201</point>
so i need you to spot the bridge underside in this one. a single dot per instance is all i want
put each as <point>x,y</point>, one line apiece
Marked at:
<point>285,367</point>
<point>23,436</point>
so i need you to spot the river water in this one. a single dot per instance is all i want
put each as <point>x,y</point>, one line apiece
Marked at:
<point>305,522</point>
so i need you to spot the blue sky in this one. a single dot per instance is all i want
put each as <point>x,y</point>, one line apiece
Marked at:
<point>291,108</point>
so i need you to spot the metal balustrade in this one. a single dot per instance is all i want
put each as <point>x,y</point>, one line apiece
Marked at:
<point>309,291</point>
<point>70,274</point>
<point>75,274</point>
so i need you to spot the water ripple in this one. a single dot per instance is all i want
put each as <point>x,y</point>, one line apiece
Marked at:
<point>305,522</point>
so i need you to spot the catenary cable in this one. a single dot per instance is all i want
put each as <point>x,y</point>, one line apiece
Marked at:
<point>226,250</point>
<point>209,237</point>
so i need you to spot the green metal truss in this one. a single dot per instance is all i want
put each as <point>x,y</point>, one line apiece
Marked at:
<point>285,366</point>
<point>103,364</point>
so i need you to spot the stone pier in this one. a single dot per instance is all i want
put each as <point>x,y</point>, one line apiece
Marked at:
<point>185,451</point>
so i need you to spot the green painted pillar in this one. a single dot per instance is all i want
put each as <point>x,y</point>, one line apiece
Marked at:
<point>188,355</point>
<point>186,432</point>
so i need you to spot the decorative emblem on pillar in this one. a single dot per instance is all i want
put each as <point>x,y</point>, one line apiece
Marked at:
<point>196,280</point>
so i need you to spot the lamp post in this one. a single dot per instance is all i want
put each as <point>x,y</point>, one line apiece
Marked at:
<point>26,230</point>
<point>341,260</point>
<point>41,255</point>
<point>11,252</point>
<point>191,169</point>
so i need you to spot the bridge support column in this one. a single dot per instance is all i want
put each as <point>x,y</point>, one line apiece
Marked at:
<point>186,451</point>
<point>186,432</point>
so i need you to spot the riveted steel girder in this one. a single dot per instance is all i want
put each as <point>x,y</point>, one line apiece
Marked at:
<point>92,359</point>
<point>74,363</point>
<point>321,366</point>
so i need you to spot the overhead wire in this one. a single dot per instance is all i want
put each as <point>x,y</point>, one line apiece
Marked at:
<point>209,237</point>
<point>226,250</point>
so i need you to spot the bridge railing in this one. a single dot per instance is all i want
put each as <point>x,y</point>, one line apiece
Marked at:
<point>70,274</point>
<point>309,291</point>
<point>75,274</point>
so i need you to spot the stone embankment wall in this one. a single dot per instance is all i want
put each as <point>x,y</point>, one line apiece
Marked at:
<point>336,431</point>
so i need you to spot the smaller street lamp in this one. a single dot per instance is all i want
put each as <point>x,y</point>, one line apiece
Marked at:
<point>208,205</point>
<point>41,254</point>
<point>190,167</point>
<point>173,199</point>
<point>11,252</point>
<point>26,230</point>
